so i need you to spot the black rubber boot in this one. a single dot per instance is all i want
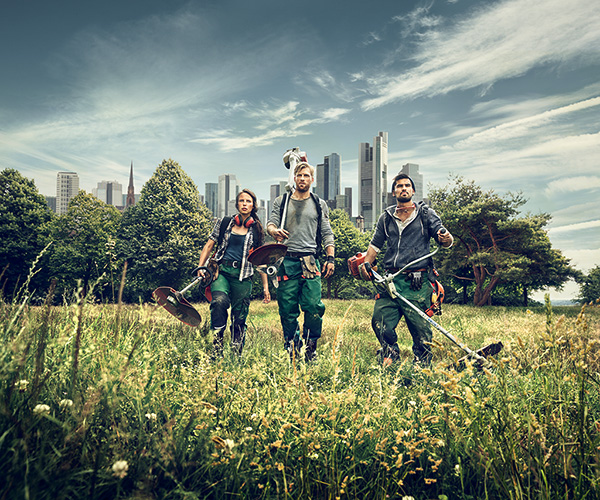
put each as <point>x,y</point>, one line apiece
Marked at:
<point>217,344</point>
<point>238,337</point>
<point>311,350</point>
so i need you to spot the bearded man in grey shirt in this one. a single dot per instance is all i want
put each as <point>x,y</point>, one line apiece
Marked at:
<point>306,228</point>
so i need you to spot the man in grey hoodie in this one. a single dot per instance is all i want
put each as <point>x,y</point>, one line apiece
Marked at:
<point>406,229</point>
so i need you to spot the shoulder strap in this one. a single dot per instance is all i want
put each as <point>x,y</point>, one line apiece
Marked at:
<point>282,206</point>
<point>317,201</point>
<point>224,223</point>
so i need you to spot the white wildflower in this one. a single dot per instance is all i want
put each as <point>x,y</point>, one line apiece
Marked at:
<point>65,403</point>
<point>41,409</point>
<point>151,416</point>
<point>21,385</point>
<point>229,445</point>
<point>120,468</point>
<point>457,470</point>
<point>249,429</point>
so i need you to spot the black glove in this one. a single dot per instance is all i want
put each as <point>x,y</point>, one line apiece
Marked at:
<point>416,280</point>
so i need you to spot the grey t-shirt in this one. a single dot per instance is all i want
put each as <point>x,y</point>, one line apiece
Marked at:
<point>301,222</point>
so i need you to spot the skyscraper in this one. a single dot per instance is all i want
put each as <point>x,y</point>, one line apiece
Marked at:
<point>110,192</point>
<point>372,178</point>
<point>228,190</point>
<point>67,187</point>
<point>412,170</point>
<point>211,197</point>
<point>328,177</point>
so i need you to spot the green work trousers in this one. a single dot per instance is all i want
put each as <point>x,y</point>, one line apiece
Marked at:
<point>227,290</point>
<point>388,312</point>
<point>294,293</point>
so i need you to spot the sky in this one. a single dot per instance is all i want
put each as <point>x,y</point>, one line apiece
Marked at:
<point>505,93</point>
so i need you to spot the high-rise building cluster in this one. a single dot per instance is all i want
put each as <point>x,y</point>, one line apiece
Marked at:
<point>373,187</point>
<point>110,192</point>
<point>374,182</point>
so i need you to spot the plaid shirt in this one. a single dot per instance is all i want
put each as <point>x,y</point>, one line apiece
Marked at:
<point>246,269</point>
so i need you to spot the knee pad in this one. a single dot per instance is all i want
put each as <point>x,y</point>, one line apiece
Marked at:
<point>218,308</point>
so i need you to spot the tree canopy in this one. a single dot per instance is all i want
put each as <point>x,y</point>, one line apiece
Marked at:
<point>348,241</point>
<point>494,243</point>
<point>82,244</point>
<point>589,290</point>
<point>24,218</point>
<point>161,237</point>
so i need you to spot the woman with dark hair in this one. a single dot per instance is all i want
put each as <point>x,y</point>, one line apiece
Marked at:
<point>235,238</point>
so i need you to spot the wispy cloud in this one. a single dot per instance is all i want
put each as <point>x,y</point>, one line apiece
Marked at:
<point>572,184</point>
<point>274,122</point>
<point>493,45</point>
<point>575,227</point>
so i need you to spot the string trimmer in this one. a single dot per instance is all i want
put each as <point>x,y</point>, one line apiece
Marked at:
<point>176,304</point>
<point>479,356</point>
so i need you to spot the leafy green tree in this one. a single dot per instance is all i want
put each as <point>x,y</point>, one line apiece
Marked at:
<point>24,218</point>
<point>161,237</point>
<point>494,243</point>
<point>348,242</point>
<point>589,290</point>
<point>82,241</point>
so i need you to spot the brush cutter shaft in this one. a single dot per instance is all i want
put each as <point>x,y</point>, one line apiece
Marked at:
<point>389,284</point>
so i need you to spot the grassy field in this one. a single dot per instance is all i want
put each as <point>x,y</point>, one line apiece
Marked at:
<point>124,402</point>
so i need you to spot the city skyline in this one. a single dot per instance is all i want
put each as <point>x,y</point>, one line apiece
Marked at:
<point>501,92</point>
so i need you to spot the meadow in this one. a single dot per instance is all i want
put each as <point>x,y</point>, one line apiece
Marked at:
<point>114,401</point>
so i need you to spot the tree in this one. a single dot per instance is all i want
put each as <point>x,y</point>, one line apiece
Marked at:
<point>82,241</point>
<point>494,243</point>
<point>589,290</point>
<point>24,218</point>
<point>348,242</point>
<point>161,237</point>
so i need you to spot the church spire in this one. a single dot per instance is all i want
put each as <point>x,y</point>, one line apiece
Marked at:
<point>130,201</point>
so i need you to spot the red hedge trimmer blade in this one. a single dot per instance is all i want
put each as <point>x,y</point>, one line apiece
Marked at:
<point>175,303</point>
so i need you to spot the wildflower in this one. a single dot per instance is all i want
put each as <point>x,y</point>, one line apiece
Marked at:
<point>41,409</point>
<point>457,470</point>
<point>21,385</point>
<point>120,468</point>
<point>65,403</point>
<point>151,416</point>
<point>229,444</point>
<point>249,429</point>
<point>412,403</point>
<point>406,497</point>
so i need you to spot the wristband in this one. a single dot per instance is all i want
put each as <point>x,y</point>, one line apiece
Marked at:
<point>329,259</point>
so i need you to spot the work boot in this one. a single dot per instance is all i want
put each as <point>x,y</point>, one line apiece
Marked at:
<point>217,344</point>
<point>311,350</point>
<point>238,337</point>
<point>389,355</point>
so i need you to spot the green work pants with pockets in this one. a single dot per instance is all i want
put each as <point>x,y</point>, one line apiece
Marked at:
<point>388,312</point>
<point>294,293</point>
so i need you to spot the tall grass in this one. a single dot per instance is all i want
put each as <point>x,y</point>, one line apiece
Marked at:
<point>103,401</point>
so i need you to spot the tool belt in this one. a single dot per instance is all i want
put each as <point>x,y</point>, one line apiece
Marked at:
<point>236,264</point>
<point>298,255</point>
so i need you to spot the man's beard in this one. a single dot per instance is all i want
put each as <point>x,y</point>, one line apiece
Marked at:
<point>403,197</point>
<point>303,189</point>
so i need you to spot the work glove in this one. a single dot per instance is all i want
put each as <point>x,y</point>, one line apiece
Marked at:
<point>365,271</point>
<point>416,280</point>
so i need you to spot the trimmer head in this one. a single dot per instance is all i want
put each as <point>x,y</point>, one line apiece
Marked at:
<point>174,302</point>
<point>484,352</point>
<point>267,255</point>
